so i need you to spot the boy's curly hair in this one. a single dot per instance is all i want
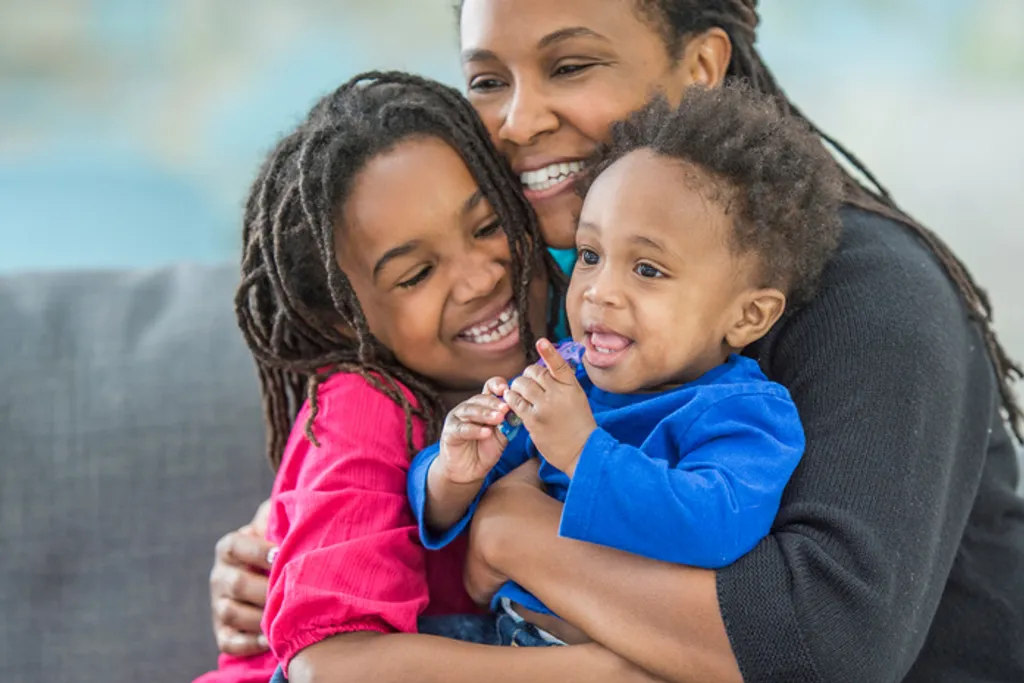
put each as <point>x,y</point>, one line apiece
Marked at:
<point>768,171</point>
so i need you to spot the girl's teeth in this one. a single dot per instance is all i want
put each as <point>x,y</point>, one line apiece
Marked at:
<point>545,178</point>
<point>505,323</point>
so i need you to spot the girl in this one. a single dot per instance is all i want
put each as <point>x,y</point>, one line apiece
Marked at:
<point>896,553</point>
<point>389,268</point>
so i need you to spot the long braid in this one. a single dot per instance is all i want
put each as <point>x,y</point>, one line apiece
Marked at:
<point>739,19</point>
<point>294,298</point>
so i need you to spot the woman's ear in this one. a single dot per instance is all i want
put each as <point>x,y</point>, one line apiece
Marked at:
<point>759,310</point>
<point>706,57</point>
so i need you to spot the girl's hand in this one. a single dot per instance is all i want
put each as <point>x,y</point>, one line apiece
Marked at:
<point>554,408</point>
<point>470,443</point>
<point>238,587</point>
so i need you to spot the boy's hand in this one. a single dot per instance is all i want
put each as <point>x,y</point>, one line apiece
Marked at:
<point>470,443</point>
<point>553,407</point>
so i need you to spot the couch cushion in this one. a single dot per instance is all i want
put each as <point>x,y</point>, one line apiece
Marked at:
<point>130,440</point>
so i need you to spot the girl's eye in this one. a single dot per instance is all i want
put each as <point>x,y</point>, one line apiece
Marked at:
<point>571,69</point>
<point>419,277</point>
<point>484,84</point>
<point>588,257</point>
<point>647,270</point>
<point>489,230</point>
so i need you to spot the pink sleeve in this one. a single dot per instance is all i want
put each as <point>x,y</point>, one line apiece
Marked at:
<point>350,558</point>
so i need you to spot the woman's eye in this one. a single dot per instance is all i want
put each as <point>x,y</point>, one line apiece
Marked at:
<point>648,271</point>
<point>588,257</point>
<point>571,69</point>
<point>489,230</point>
<point>419,277</point>
<point>484,84</point>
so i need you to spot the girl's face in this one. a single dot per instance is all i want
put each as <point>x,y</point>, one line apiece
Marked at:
<point>430,265</point>
<point>549,77</point>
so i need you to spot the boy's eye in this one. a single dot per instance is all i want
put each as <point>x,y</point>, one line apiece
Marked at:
<point>647,270</point>
<point>489,229</point>
<point>588,257</point>
<point>419,277</point>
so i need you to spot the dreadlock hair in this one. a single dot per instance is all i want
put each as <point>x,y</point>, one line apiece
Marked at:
<point>295,306</point>
<point>777,184</point>
<point>678,20</point>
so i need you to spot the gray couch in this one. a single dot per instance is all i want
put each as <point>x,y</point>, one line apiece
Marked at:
<point>130,440</point>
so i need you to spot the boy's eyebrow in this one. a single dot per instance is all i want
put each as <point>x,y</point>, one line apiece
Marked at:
<point>481,55</point>
<point>471,203</point>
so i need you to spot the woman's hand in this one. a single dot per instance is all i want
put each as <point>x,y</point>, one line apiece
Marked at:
<point>505,501</point>
<point>238,587</point>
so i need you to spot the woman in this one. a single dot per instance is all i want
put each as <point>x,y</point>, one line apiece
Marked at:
<point>898,553</point>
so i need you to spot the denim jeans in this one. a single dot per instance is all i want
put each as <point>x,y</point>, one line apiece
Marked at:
<point>505,627</point>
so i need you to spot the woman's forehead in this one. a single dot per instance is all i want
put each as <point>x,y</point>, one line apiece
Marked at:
<point>537,24</point>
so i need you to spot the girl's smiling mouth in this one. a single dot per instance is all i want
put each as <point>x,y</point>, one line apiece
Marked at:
<point>499,332</point>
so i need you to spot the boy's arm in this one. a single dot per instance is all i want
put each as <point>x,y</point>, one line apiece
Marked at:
<point>444,508</point>
<point>714,506</point>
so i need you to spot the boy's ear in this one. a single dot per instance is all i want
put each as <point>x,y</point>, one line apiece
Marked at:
<point>759,309</point>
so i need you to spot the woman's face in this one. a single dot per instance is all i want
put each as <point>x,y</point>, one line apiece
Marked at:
<point>549,77</point>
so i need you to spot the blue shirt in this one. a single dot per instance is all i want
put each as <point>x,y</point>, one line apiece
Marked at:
<point>693,475</point>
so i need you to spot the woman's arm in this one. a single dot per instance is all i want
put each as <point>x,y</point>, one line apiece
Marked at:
<point>401,657</point>
<point>663,617</point>
<point>238,587</point>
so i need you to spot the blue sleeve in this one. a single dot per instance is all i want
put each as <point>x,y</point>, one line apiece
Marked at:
<point>710,509</point>
<point>514,456</point>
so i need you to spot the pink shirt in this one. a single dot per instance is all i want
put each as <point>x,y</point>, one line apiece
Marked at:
<point>350,557</point>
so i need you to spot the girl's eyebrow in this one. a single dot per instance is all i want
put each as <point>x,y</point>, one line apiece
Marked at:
<point>401,250</point>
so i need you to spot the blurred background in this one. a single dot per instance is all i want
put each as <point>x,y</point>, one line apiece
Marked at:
<point>129,129</point>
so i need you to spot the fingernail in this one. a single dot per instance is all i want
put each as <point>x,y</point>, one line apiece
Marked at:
<point>262,641</point>
<point>272,555</point>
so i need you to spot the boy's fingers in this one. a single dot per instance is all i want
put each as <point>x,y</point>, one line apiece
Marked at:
<point>482,412</point>
<point>557,366</point>
<point>495,386</point>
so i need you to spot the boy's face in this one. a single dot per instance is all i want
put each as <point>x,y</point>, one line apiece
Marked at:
<point>658,295</point>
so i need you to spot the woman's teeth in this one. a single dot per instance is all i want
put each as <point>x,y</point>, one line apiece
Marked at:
<point>504,324</point>
<point>548,177</point>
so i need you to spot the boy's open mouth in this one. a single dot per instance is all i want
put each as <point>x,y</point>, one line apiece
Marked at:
<point>605,348</point>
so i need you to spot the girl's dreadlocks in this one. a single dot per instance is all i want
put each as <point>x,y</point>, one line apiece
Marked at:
<point>739,19</point>
<point>295,306</point>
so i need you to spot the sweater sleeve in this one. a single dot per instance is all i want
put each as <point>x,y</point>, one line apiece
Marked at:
<point>349,557</point>
<point>732,464</point>
<point>896,396</point>
<point>515,454</point>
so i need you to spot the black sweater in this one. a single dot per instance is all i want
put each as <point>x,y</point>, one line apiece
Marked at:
<point>898,552</point>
